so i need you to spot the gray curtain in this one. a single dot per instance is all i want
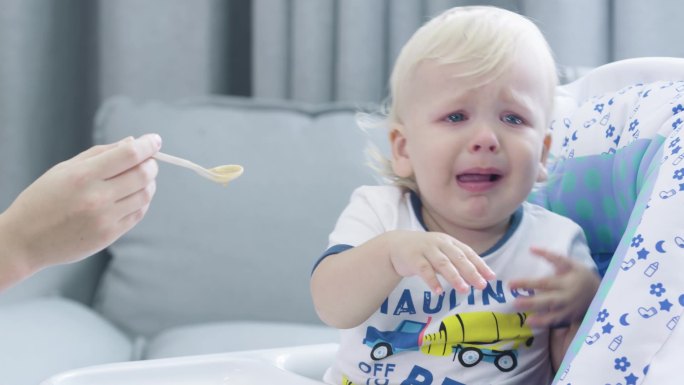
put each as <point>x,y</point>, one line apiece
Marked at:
<point>344,49</point>
<point>60,58</point>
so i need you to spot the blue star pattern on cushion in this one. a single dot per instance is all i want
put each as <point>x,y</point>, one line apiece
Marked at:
<point>619,173</point>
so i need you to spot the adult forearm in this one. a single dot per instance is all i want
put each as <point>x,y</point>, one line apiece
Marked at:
<point>15,263</point>
<point>78,207</point>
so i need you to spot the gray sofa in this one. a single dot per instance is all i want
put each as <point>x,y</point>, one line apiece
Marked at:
<point>210,268</point>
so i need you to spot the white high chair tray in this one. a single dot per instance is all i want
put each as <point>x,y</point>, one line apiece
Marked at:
<point>301,365</point>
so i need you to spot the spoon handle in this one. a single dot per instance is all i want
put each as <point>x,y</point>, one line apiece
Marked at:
<point>177,161</point>
<point>221,174</point>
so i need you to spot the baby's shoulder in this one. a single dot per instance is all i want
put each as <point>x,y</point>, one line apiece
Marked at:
<point>379,193</point>
<point>386,201</point>
<point>541,216</point>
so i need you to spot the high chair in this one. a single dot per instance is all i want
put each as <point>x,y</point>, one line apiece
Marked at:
<point>603,117</point>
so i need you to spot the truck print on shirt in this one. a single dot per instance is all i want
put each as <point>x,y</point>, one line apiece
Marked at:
<point>471,337</point>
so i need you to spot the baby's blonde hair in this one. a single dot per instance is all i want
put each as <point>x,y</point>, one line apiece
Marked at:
<point>482,40</point>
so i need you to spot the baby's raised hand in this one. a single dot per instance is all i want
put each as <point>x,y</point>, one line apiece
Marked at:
<point>427,254</point>
<point>561,298</point>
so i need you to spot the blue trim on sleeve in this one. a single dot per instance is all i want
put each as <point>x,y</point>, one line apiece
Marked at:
<point>335,249</point>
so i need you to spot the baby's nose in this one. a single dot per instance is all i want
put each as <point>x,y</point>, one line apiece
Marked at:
<point>485,140</point>
<point>479,147</point>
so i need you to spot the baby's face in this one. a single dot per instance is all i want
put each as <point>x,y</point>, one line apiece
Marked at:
<point>474,151</point>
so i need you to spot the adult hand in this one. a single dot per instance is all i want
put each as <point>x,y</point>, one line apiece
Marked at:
<point>78,207</point>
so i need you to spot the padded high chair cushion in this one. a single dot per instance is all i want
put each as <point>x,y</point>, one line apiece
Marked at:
<point>619,172</point>
<point>610,150</point>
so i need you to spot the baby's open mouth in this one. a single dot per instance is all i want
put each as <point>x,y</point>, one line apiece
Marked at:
<point>477,178</point>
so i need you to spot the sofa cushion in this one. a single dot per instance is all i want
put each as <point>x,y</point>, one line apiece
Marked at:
<point>208,253</point>
<point>41,337</point>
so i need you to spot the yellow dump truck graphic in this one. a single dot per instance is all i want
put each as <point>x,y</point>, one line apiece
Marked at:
<point>480,336</point>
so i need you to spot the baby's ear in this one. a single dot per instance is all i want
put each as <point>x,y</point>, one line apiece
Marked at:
<point>401,162</point>
<point>543,173</point>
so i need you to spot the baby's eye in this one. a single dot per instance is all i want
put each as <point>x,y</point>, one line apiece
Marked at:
<point>456,117</point>
<point>513,119</point>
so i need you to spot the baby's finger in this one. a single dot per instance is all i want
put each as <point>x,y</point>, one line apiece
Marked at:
<point>444,267</point>
<point>560,262</point>
<point>538,303</point>
<point>545,320</point>
<point>465,267</point>
<point>542,284</point>
<point>480,265</point>
<point>427,273</point>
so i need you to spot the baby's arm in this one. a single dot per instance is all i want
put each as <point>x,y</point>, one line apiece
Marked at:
<point>561,298</point>
<point>349,287</point>
<point>560,341</point>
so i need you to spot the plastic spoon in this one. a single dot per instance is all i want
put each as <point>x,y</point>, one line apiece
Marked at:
<point>220,174</point>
